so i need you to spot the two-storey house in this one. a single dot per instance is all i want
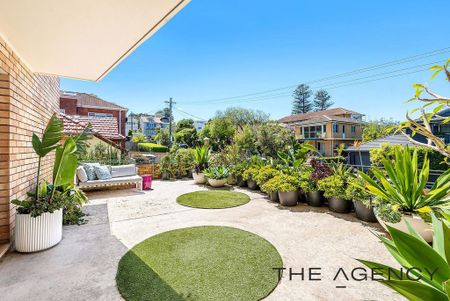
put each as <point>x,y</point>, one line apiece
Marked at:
<point>90,105</point>
<point>150,124</point>
<point>327,129</point>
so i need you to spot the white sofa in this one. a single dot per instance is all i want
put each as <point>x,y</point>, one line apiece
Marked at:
<point>121,175</point>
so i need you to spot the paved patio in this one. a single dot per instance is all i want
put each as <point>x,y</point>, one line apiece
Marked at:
<point>83,265</point>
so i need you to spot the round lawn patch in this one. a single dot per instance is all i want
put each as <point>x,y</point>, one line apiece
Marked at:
<point>199,263</point>
<point>213,199</point>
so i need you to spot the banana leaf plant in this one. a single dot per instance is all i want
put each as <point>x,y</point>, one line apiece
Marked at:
<point>47,196</point>
<point>402,184</point>
<point>425,272</point>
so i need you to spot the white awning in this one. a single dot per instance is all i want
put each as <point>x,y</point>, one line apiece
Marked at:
<point>82,39</point>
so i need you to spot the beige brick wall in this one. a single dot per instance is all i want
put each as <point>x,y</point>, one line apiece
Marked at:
<point>27,101</point>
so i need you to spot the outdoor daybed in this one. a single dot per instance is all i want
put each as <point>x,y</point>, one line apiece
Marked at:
<point>118,175</point>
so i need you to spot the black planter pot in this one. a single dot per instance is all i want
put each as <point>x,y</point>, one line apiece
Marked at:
<point>288,198</point>
<point>339,205</point>
<point>364,213</point>
<point>274,196</point>
<point>252,184</point>
<point>315,198</point>
<point>241,182</point>
<point>301,196</point>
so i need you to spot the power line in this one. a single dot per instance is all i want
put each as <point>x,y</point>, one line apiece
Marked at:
<point>189,114</point>
<point>345,74</point>
<point>335,85</point>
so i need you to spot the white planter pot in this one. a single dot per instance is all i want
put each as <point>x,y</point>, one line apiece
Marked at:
<point>38,233</point>
<point>217,183</point>
<point>199,178</point>
<point>423,228</point>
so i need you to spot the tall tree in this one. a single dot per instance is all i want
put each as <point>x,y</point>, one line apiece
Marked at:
<point>301,103</point>
<point>243,116</point>
<point>322,100</point>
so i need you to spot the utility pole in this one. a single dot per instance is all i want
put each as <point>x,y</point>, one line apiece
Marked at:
<point>170,102</point>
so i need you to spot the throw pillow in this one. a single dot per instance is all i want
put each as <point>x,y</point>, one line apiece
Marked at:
<point>81,174</point>
<point>90,170</point>
<point>102,172</point>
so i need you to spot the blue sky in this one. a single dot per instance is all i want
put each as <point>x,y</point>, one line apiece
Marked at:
<point>226,48</point>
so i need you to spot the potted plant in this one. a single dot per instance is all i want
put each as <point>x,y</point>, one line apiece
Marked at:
<point>287,187</point>
<point>334,188</point>
<point>265,174</point>
<point>362,199</point>
<point>39,218</point>
<point>202,155</point>
<point>167,167</point>
<point>249,176</point>
<point>237,171</point>
<point>309,178</point>
<point>402,195</point>
<point>217,176</point>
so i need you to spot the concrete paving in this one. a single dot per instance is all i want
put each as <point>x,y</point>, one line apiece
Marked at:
<point>83,266</point>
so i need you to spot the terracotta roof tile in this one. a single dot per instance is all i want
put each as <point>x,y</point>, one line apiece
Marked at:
<point>310,115</point>
<point>91,100</point>
<point>108,127</point>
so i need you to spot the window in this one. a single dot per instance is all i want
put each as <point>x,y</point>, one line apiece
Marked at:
<point>99,115</point>
<point>62,111</point>
<point>343,128</point>
<point>311,132</point>
<point>353,129</point>
<point>335,128</point>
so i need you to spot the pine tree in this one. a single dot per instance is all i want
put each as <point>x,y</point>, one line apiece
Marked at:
<point>301,103</point>
<point>322,100</point>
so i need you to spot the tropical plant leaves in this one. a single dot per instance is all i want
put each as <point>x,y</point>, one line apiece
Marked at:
<point>50,138</point>
<point>415,291</point>
<point>65,163</point>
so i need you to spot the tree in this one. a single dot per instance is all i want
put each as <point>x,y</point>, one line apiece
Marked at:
<point>186,136</point>
<point>220,131</point>
<point>301,103</point>
<point>322,100</point>
<point>422,125</point>
<point>163,113</point>
<point>243,116</point>
<point>377,129</point>
<point>162,136</point>
<point>185,124</point>
<point>139,137</point>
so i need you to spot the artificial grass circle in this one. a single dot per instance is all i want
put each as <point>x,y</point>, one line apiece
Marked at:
<point>199,263</point>
<point>213,199</point>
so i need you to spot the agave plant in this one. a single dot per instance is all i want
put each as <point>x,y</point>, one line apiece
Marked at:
<point>402,185</point>
<point>216,173</point>
<point>202,155</point>
<point>425,272</point>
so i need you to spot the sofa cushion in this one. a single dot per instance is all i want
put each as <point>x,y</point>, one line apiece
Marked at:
<point>102,172</point>
<point>112,181</point>
<point>81,174</point>
<point>123,170</point>
<point>90,170</point>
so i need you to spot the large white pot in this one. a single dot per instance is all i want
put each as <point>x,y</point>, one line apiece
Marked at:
<point>423,228</point>
<point>38,233</point>
<point>199,178</point>
<point>217,183</point>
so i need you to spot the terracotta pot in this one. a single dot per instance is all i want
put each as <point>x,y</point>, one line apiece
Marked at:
<point>314,198</point>
<point>199,178</point>
<point>423,228</point>
<point>339,205</point>
<point>288,198</point>
<point>241,182</point>
<point>34,234</point>
<point>274,196</point>
<point>363,212</point>
<point>217,182</point>
<point>252,184</point>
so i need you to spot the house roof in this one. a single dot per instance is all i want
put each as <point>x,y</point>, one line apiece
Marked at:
<point>326,118</point>
<point>74,126</point>
<point>108,127</point>
<point>85,100</point>
<point>155,118</point>
<point>397,139</point>
<point>310,115</point>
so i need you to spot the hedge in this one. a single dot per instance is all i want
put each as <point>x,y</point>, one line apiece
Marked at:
<point>152,147</point>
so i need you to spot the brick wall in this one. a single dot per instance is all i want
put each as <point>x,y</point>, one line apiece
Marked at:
<point>69,105</point>
<point>27,101</point>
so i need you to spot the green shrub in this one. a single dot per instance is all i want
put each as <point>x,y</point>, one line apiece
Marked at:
<point>305,181</point>
<point>250,173</point>
<point>333,186</point>
<point>356,191</point>
<point>281,182</point>
<point>265,174</point>
<point>152,147</point>
<point>216,173</point>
